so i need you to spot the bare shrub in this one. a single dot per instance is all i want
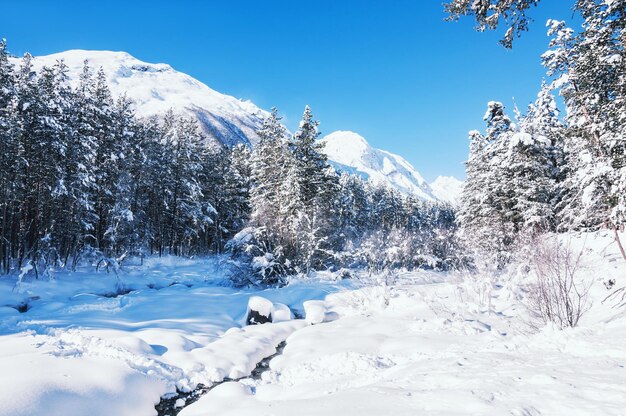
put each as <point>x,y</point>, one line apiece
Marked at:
<point>557,295</point>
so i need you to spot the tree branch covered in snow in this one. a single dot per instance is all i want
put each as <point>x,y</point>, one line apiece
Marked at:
<point>491,14</point>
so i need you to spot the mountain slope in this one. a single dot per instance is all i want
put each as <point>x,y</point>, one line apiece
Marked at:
<point>447,189</point>
<point>351,153</point>
<point>156,88</point>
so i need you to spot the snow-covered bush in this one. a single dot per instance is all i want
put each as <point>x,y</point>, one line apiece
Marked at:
<point>255,261</point>
<point>558,294</point>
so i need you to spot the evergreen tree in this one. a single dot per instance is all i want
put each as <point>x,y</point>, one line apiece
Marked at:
<point>311,188</point>
<point>270,162</point>
<point>8,157</point>
<point>487,214</point>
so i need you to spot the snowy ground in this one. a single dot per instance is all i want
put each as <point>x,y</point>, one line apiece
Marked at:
<point>77,352</point>
<point>427,344</point>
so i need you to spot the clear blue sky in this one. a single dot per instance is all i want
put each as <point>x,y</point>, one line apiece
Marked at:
<point>392,71</point>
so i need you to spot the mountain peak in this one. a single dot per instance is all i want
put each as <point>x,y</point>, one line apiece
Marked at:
<point>347,137</point>
<point>348,146</point>
<point>447,189</point>
<point>350,152</point>
<point>156,88</point>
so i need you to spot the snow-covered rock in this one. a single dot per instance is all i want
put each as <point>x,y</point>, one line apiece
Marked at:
<point>314,311</point>
<point>259,310</point>
<point>349,152</point>
<point>281,313</point>
<point>157,88</point>
<point>447,189</point>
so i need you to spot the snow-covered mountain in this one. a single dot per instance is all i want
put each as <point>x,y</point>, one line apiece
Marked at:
<point>447,189</point>
<point>350,152</point>
<point>156,88</point>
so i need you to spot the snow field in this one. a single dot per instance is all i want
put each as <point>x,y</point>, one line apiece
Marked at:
<point>431,343</point>
<point>77,352</point>
<point>441,345</point>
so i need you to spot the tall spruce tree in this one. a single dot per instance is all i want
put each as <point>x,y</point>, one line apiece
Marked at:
<point>8,158</point>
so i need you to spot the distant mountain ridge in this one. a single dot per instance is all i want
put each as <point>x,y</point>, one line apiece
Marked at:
<point>447,189</point>
<point>351,153</point>
<point>157,88</point>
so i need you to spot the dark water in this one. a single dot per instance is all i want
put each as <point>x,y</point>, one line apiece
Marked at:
<point>166,407</point>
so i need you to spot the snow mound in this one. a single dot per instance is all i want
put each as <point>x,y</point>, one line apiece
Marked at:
<point>281,313</point>
<point>349,152</point>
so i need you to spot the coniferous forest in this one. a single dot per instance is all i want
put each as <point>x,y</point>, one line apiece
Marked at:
<point>85,180</point>
<point>546,170</point>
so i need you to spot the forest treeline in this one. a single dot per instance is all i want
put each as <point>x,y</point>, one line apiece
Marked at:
<point>84,180</point>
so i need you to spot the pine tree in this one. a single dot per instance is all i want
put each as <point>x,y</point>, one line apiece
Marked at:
<point>489,14</point>
<point>537,160</point>
<point>8,157</point>
<point>231,194</point>
<point>353,208</point>
<point>28,186</point>
<point>186,215</point>
<point>487,214</point>
<point>311,191</point>
<point>270,162</point>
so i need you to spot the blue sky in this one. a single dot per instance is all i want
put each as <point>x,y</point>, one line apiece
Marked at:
<point>392,71</point>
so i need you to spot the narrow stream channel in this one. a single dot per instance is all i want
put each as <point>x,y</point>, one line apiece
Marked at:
<point>167,405</point>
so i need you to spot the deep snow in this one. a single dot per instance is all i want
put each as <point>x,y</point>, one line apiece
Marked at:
<point>421,343</point>
<point>431,344</point>
<point>79,351</point>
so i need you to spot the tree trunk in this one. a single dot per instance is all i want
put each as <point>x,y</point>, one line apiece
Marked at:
<point>618,241</point>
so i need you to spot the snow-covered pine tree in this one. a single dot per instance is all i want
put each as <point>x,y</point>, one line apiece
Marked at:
<point>271,160</point>
<point>237,183</point>
<point>56,130</point>
<point>80,170</point>
<point>263,248</point>
<point>229,194</point>
<point>586,70</point>
<point>8,157</point>
<point>28,189</point>
<point>536,159</point>
<point>100,109</point>
<point>126,214</point>
<point>353,208</point>
<point>155,181</point>
<point>489,14</point>
<point>487,214</point>
<point>186,215</point>
<point>312,189</point>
